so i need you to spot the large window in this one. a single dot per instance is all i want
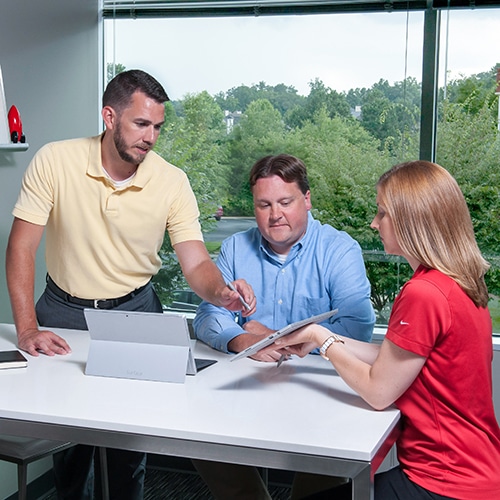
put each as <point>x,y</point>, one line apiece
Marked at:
<point>343,91</point>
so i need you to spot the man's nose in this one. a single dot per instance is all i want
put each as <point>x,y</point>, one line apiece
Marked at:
<point>150,135</point>
<point>276,212</point>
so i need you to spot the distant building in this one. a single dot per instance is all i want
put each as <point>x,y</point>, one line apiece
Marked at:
<point>231,118</point>
<point>356,112</point>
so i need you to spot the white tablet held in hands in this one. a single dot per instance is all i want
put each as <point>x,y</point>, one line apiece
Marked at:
<point>249,351</point>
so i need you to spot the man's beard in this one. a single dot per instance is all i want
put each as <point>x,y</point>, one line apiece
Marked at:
<point>121,147</point>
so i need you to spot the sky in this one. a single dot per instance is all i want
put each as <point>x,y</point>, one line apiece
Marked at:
<point>344,50</point>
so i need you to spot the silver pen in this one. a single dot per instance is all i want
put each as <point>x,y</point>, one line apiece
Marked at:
<point>242,300</point>
<point>282,358</point>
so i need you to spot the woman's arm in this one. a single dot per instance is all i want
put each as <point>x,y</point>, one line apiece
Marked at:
<point>379,374</point>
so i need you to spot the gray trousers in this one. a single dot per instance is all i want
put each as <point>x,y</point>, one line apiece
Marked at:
<point>73,468</point>
<point>53,311</point>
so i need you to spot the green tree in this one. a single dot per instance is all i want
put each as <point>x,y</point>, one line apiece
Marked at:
<point>113,69</point>
<point>237,98</point>
<point>195,143</point>
<point>394,122</point>
<point>407,92</point>
<point>344,163</point>
<point>344,157</point>
<point>473,92</point>
<point>260,132</point>
<point>356,97</point>
<point>320,97</point>
<point>469,147</point>
<point>387,274</point>
<point>281,96</point>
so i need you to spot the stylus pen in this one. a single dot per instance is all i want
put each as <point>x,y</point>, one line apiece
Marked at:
<point>282,358</point>
<point>242,300</point>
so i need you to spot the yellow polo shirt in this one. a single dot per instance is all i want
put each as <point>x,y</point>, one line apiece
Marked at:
<point>102,241</point>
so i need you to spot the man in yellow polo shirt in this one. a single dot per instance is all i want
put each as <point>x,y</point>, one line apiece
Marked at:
<point>105,202</point>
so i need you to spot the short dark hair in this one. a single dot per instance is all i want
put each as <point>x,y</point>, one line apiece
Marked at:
<point>287,167</point>
<point>120,89</point>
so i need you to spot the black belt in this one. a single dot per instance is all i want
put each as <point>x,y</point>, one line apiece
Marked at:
<point>95,304</point>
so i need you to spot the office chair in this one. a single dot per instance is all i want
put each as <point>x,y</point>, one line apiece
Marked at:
<point>23,451</point>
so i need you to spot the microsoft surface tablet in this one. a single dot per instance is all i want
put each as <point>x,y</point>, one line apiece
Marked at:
<point>249,351</point>
<point>140,345</point>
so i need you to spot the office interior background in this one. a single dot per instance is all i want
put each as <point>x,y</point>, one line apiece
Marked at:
<point>54,57</point>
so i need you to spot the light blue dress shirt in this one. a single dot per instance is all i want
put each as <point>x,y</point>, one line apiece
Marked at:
<point>323,271</point>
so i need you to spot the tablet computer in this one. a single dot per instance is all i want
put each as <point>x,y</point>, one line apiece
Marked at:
<point>249,351</point>
<point>140,345</point>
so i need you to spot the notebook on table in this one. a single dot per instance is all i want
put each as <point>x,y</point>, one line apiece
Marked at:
<point>140,345</point>
<point>249,351</point>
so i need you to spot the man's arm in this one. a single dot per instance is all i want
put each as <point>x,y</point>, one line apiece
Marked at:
<point>254,332</point>
<point>206,280</point>
<point>350,291</point>
<point>23,243</point>
<point>217,327</point>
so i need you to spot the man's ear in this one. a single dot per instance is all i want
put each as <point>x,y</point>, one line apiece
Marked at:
<point>307,198</point>
<point>109,117</point>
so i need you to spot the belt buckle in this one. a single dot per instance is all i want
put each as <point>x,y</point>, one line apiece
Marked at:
<point>96,303</point>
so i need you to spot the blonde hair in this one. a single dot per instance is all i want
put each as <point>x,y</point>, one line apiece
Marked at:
<point>432,223</point>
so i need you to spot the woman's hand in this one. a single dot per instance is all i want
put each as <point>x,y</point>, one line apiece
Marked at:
<point>302,341</point>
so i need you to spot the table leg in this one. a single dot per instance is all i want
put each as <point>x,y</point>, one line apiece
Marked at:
<point>362,485</point>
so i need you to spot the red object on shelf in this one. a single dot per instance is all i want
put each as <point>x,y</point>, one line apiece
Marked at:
<point>15,125</point>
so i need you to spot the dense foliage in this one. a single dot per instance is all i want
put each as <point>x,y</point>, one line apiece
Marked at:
<point>346,140</point>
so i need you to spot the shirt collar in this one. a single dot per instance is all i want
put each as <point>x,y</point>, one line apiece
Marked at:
<point>94,167</point>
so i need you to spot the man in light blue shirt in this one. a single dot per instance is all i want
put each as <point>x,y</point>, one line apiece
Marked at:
<point>297,267</point>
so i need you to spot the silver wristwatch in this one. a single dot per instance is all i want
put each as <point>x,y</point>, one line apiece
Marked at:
<point>327,343</point>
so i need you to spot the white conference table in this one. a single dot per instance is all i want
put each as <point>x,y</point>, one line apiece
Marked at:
<point>300,416</point>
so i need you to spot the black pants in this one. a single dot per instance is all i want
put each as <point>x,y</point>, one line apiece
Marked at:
<point>73,468</point>
<point>395,485</point>
<point>391,485</point>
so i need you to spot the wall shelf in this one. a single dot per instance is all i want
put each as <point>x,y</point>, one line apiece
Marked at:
<point>19,146</point>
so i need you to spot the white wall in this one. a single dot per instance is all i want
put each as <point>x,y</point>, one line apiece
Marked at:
<point>49,59</point>
<point>49,56</point>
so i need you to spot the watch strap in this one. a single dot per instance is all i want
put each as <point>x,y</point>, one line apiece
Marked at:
<point>334,338</point>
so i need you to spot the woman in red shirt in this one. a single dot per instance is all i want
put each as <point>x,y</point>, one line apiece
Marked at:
<point>435,361</point>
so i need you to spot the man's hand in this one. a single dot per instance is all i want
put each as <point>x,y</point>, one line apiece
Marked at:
<point>206,280</point>
<point>35,341</point>
<point>256,331</point>
<point>239,297</point>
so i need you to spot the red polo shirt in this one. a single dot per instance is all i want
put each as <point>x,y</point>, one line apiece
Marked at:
<point>450,442</point>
